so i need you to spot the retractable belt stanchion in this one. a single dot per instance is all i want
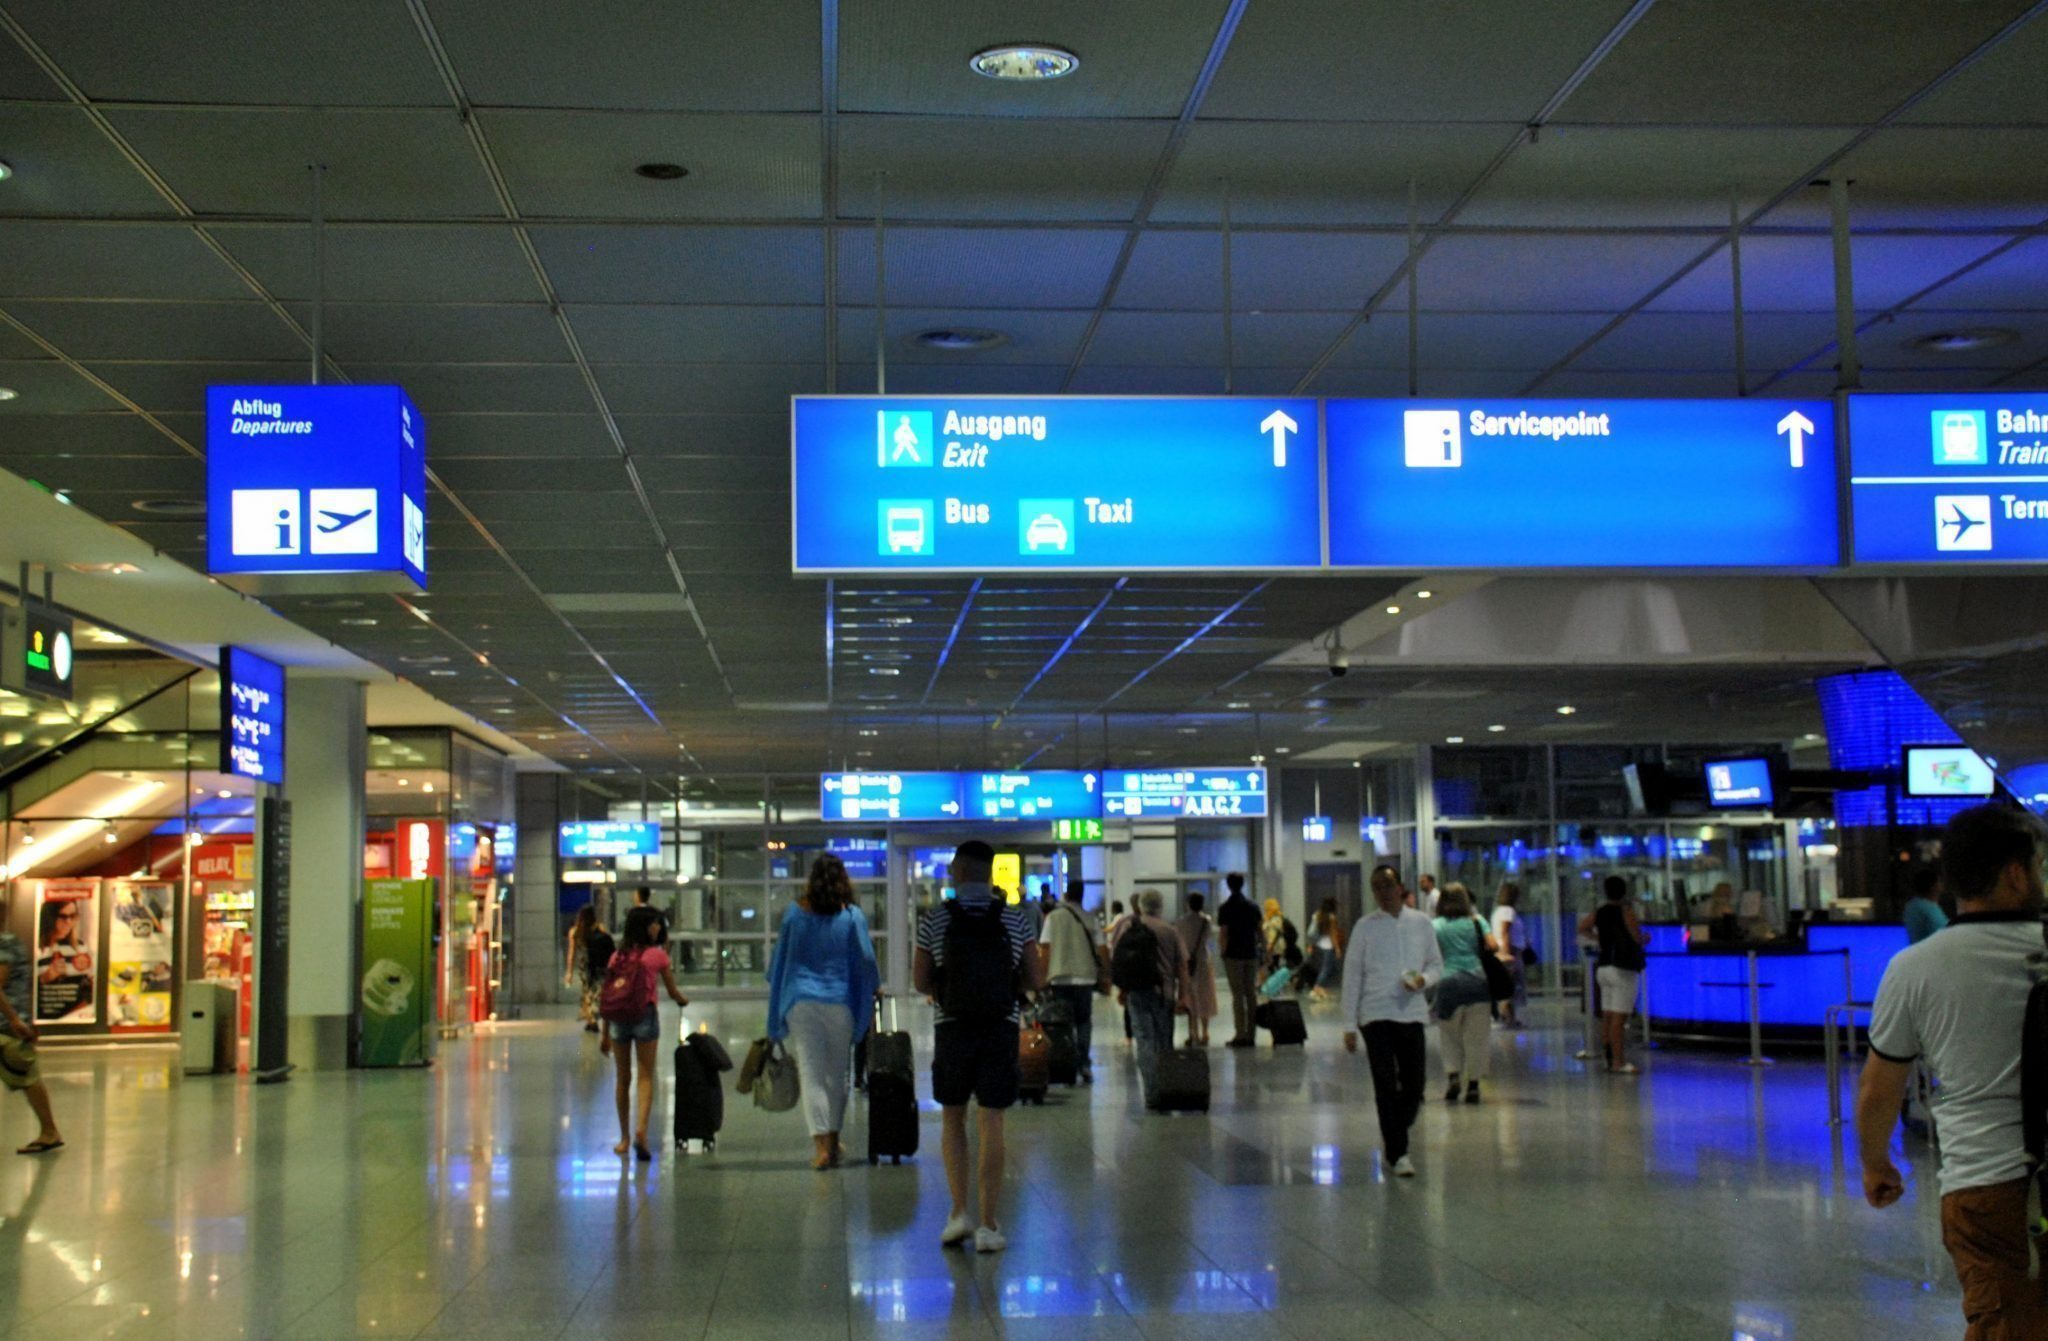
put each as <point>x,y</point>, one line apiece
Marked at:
<point>1756,1025</point>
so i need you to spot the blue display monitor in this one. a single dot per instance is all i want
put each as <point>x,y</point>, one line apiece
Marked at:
<point>609,838</point>
<point>1563,484</point>
<point>883,797</point>
<point>1033,796</point>
<point>1177,793</point>
<point>1954,772</point>
<point>886,484</point>
<point>252,716</point>
<point>1954,478</point>
<point>1740,784</point>
<point>315,479</point>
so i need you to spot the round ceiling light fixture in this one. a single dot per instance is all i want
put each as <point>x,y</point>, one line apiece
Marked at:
<point>960,339</point>
<point>170,507</point>
<point>6,170</point>
<point>9,393</point>
<point>1965,341</point>
<point>1024,61</point>
<point>662,172</point>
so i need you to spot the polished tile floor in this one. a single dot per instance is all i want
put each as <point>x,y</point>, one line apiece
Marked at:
<point>481,1198</point>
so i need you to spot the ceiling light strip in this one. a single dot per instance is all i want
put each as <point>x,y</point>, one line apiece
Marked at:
<point>1067,644</point>
<point>1187,642</point>
<point>959,623</point>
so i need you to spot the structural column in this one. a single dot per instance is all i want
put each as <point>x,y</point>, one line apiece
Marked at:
<point>536,948</point>
<point>326,743</point>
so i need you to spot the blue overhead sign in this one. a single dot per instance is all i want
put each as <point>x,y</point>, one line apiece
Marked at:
<point>966,484</point>
<point>1428,484</point>
<point>1034,796</point>
<point>251,716</point>
<point>315,479</point>
<point>889,796</point>
<point>1948,479</point>
<point>609,838</point>
<point>1191,793</point>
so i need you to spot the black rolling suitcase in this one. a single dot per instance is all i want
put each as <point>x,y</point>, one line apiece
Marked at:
<point>1281,1017</point>
<point>700,1094</point>
<point>892,1093</point>
<point>1183,1081</point>
<point>1063,1060</point>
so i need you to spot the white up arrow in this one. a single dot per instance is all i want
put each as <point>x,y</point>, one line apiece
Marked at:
<point>1280,424</point>
<point>1797,426</point>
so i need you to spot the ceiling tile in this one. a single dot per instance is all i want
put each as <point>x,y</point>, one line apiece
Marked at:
<point>576,164</point>
<point>1175,338</point>
<point>110,260</point>
<point>113,432</point>
<point>1331,173</point>
<point>708,435</point>
<point>581,436</point>
<point>633,333</point>
<point>64,165</point>
<point>439,332</point>
<point>980,267</point>
<point>114,330</point>
<point>1797,273</point>
<point>1578,273</point>
<point>1937,176</point>
<point>729,388</point>
<point>517,388</point>
<point>1463,341</point>
<point>182,386</point>
<point>1029,336</point>
<point>462,263</point>
<point>1705,341</point>
<point>646,264</point>
<point>1018,169</point>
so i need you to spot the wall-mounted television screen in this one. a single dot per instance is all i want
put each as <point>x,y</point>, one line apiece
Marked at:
<point>1740,784</point>
<point>1947,770</point>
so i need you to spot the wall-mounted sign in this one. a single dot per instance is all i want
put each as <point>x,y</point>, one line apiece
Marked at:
<point>1950,478</point>
<point>1582,484</point>
<point>38,647</point>
<point>1317,829</point>
<point>965,484</point>
<point>251,715</point>
<point>1077,830</point>
<point>1193,793</point>
<point>609,838</point>
<point>318,480</point>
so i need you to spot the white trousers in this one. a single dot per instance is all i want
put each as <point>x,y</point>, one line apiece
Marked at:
<point>1468,1040</point>
<point>821,1040</point>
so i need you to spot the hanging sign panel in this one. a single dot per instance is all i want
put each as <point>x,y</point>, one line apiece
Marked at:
<point>1175,793</point>
<point>1022,484</point>
<point>1949,479</point>
<point>1034,796</point>
<point>1547,484</point>
<point>315,480</point>
<point>252,716</point>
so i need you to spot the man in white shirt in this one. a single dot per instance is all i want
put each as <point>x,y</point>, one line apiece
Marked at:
<point>1958,1002</point>
<point>1391,960</point>
<point>1426,894</point>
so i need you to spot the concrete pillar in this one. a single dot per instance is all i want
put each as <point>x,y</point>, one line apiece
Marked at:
<point>537,949</point>
<point>325,748</point>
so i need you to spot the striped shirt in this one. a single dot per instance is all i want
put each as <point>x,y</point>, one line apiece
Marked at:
<point>931,933</point>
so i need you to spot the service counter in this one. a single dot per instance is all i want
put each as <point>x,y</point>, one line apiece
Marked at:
<point>1701,988</point>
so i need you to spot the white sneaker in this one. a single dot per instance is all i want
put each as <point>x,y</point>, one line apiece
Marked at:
<point>989,1240</point>
<point>1404,1167</point>
<point>958,1230</point>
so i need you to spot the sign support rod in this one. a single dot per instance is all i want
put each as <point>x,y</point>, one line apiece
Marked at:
<point>881,297</point>
<point>1414,300</point>
<point>1229,339</point>
<point>319,220</point>
<point>1735,284</point>
<point>1850,368</point>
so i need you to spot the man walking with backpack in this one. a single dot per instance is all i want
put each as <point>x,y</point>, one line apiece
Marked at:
<point>1073,967</point>
<point>974,959</point>
<point>1149,968</point>
<point>1959,1001</point>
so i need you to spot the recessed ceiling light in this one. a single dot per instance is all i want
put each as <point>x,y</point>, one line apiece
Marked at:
<point>427,787</point>
<point>1965,340</point>
<point>1283,749</point>
<point>1237,705</point>
<point>361,622</point>
<point>425,659</point>
<point>1258,758</point>
<point>1454,740</point>
<point>1424,595</point>
<point>170,507</point>
<point>1496,728</point>
<point>405,782</point>
<point>869,732</point>
<point>884,670</point>
<point>1393,609</point>
<point>1024,61</point>
<point>1565,710</point>
<point>960,339</point>
<point>104,569</point>
<point>8,393</point>
<point>662,172</point>
<point>444,674</point>
<point>6,170</point>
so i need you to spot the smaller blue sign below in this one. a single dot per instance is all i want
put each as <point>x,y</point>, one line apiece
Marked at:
<point>1949,479</point>
<point>889,796</point>
<point>1034,796</point>
<point>1317,829</point>
<point>252,716</point>
<point>315,479</point>
<point>610,838</point>
<point>1184,793</point>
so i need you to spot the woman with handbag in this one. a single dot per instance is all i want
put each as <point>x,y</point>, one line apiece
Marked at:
<point>1194,931</point>
<point>821,991</point>
<point>1464,1001</point>
<point>629,1001</point>
<point>1511,940</point>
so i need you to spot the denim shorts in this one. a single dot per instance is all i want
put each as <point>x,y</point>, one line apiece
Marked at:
<point>646,1029</point>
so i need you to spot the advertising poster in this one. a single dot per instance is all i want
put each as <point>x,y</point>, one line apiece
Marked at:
<point>139,946</point>
<point>67,931</point>
<point>397,989</point>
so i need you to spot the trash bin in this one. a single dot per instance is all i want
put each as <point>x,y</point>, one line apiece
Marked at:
<point>207,1036</point>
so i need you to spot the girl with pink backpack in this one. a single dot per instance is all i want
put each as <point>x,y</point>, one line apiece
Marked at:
<point>629,1002</point>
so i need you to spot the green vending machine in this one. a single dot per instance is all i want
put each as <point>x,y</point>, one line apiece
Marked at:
<point>397,1002</point>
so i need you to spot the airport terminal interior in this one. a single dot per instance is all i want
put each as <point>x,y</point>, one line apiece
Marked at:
<point>479,474</point>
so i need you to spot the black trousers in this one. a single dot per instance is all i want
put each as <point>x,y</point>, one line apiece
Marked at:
<point>1396,1054</point>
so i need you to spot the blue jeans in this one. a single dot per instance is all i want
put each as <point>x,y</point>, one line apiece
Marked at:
<point>1152,1029</point>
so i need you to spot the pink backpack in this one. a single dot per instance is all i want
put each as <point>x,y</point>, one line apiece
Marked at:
<point>628,987</point>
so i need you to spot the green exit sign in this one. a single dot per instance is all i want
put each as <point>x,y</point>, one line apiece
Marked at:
<point>1077,830</point>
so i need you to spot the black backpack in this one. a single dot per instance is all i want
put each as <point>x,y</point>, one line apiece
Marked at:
<point>1134,966</point>
<point>598,949</point>
<point>977,981</point>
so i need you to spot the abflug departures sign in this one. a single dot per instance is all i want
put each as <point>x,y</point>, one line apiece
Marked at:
<point>891,483</point>
<point>1949,479</point>
<point>1582,484</point>
<point>252,716</point>
<point>315,479</point>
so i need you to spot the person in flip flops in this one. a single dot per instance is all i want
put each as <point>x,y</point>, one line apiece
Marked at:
<point>18,1068</point>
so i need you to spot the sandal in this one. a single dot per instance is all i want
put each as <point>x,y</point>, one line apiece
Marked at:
<point>642,1153</point>
<point>40,1147</point>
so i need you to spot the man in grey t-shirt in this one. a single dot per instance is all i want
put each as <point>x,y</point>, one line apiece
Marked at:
<point>19,1069</point>
<point>1958,1002</point>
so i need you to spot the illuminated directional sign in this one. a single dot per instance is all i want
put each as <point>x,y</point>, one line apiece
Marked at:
<point>1034,796</point>
<point>609,838</point>
<point>1077,830</point>
<point>315,479</point>
<point>251,715</point>
<point>1425,484</point>
<point>889,796</point>
<point>1950,478</point>
<point>1191,793</point>
<point>1021,484</point>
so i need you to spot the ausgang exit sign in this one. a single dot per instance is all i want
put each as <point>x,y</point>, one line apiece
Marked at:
<point>1077,831</point>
